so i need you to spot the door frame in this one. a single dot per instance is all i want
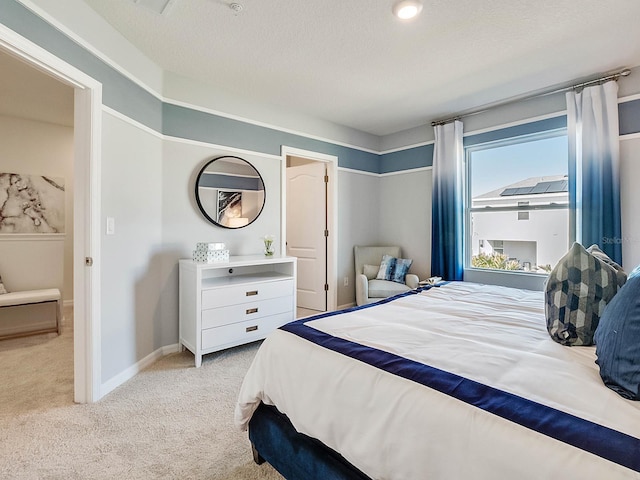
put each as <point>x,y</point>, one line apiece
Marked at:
<point>86,203</point>
<point>331,162</point>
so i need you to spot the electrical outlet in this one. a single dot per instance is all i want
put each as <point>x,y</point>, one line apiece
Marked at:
<point>346,281</point>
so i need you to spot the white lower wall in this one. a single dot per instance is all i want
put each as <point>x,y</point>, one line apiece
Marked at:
<point>130,267</point>
<point>358,224</point>
<point>405,216</point>
<point>32,263</point>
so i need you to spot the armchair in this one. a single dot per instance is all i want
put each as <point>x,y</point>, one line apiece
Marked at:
<point>368,289</point>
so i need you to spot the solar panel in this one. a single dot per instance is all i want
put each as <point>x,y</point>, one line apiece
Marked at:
<point>541,187</point>
<point>558,186</point>
<point>507,192</point>
<point>555,186</point>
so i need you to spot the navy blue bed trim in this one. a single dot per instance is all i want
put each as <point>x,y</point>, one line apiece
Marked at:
<point>605,442</point>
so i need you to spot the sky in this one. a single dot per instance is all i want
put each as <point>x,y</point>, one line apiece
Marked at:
<point>498,167</point>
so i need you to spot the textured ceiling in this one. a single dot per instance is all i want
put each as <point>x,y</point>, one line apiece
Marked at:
<point>353,63</point>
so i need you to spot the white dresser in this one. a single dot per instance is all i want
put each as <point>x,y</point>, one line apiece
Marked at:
<point>227,304</point>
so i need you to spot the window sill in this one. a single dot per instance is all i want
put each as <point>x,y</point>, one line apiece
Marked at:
<point>507,278</point>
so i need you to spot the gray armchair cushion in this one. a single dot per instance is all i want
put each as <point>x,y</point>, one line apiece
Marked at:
<point>385,288</point>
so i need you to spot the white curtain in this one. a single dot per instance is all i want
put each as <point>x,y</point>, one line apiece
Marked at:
<point>594,167</point>
<point>447,240</point>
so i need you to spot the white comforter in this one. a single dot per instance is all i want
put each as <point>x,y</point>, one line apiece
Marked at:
<point>392,428</point>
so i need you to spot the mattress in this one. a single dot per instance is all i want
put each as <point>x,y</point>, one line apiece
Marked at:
<point>456,381</point>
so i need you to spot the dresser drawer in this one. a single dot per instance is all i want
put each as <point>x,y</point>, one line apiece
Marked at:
<point>225,296</point>
<point>216,317</point>
<point>243,332</point>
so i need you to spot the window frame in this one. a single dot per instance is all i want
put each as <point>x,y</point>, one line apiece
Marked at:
<point>469,210</point>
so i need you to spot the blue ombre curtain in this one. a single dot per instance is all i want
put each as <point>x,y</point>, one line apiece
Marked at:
<point>447,248</point>
<point>594,167</point>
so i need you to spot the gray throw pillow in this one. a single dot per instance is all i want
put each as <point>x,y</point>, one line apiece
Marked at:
<point>3,290</point>
<point>578,289</point>
<point>621,276</point>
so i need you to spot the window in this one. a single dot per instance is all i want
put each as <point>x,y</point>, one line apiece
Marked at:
<point>517,205</point>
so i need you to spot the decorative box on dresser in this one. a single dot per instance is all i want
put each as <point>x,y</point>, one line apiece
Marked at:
<point>227,304</point>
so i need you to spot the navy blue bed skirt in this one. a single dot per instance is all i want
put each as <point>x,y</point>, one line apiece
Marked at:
<point>294,455</point>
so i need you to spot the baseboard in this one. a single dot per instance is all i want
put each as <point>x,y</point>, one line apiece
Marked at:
<point>346,305</point>
<point>67,303</point>
<point>133,370</point>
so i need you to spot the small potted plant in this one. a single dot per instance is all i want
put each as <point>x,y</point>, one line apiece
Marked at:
<point>268,245</point>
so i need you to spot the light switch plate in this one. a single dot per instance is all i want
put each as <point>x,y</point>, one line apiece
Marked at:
<point>111,226</point>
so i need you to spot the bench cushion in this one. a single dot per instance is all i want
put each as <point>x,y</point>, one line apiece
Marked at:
<point>29,296</point>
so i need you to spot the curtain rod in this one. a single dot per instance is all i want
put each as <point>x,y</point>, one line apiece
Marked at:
<point>539,93</point>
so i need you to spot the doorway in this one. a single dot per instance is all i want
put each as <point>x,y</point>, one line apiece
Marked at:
<point>307,232</point>
<point>309,227</point>
<point>87,110</point>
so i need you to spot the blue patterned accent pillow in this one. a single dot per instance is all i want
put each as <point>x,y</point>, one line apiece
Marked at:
<point>393,269</point>
<point>618,341</point>
<point>402,267</point>
<point>386,268</point>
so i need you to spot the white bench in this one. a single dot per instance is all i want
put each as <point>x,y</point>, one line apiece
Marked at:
<point>30,312</point>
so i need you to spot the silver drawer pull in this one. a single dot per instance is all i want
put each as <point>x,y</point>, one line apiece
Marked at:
<point>252,293</point>
<point>252,329</point>
<point>251,310</point>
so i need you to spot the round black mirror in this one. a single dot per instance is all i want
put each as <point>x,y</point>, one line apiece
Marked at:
<point>230,192</point>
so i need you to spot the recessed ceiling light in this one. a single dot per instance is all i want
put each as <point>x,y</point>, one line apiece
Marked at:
<point>406,9</point>
<point>157,6</point>
<point>236,7</point>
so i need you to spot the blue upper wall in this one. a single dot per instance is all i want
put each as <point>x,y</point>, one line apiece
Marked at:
<point>125,96</point>
<point>196,125</point>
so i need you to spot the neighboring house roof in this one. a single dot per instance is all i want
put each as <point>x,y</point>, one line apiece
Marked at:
<point>530,186</point>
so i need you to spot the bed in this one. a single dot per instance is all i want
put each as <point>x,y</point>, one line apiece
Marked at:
<point>455,381</point>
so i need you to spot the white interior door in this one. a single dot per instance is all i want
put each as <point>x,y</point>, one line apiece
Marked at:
<point>306,225</point>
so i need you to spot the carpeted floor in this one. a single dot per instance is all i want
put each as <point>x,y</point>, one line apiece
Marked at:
<point>170,421</point>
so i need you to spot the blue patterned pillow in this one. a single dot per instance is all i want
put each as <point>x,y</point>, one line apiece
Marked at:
<point>618,341</point>
<point>386,268</point>
<point>402,267</point>
<point>393,269</point>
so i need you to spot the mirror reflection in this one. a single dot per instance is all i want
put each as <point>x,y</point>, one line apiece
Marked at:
<point>230,192</point>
